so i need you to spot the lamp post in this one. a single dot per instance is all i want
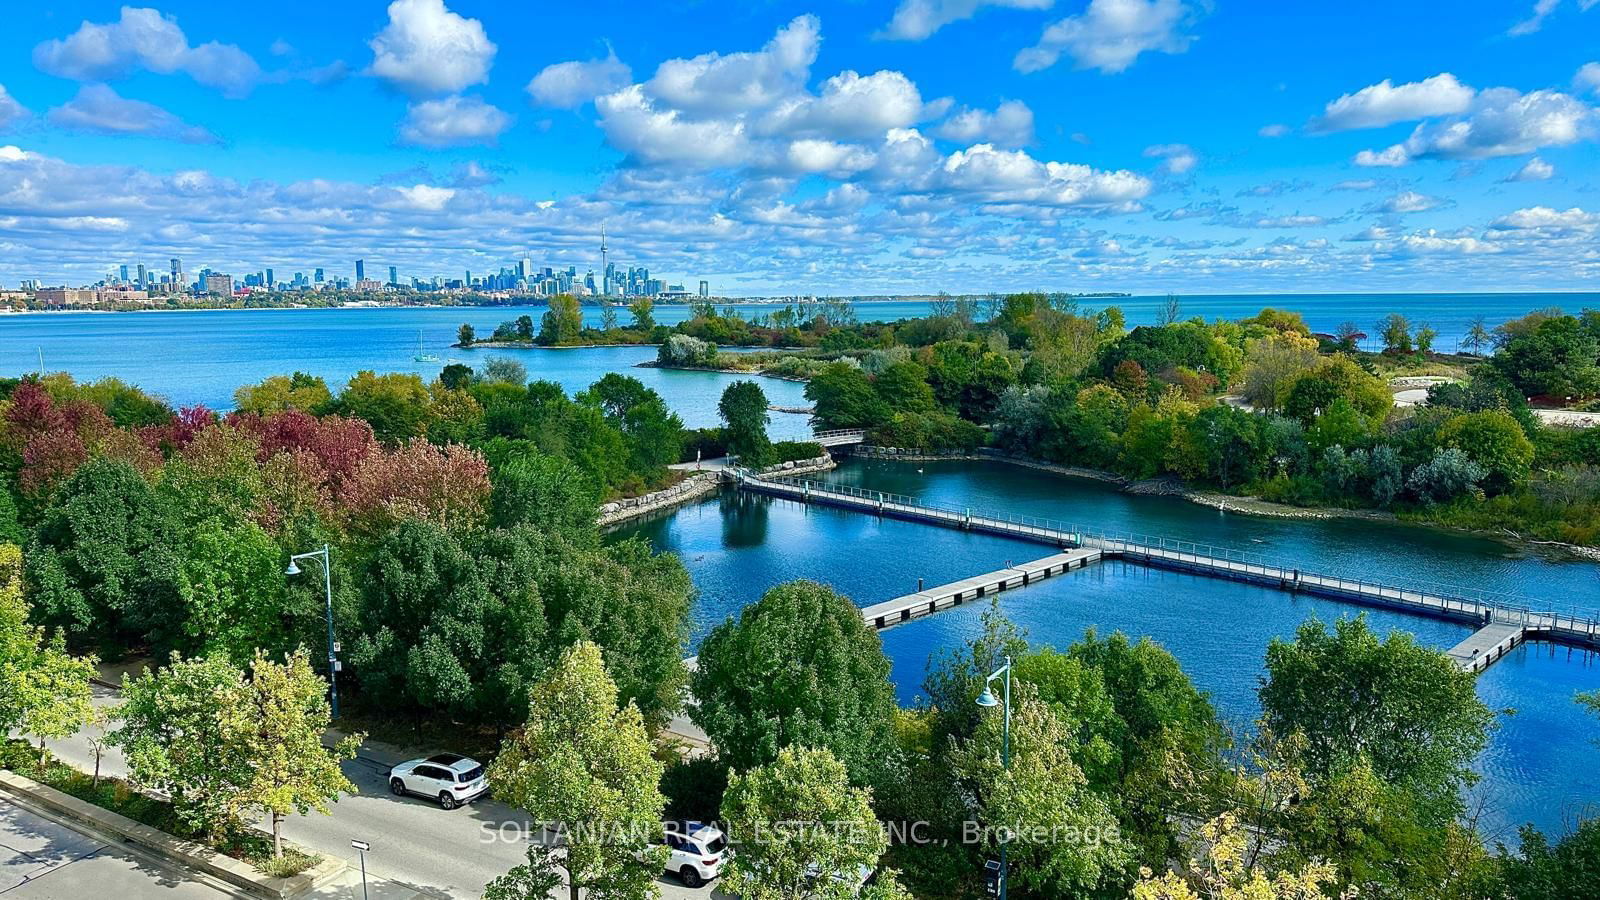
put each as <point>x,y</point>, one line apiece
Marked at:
<point>988,701</point>
<point>327,584</point>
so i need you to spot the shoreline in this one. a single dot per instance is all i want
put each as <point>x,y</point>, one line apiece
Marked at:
<point>655,364</point>
<point>1251,506</point>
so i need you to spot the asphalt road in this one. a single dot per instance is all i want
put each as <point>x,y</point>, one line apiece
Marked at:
<point>414,842</point>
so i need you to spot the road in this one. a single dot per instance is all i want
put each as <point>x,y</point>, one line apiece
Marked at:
<point>414,842</point>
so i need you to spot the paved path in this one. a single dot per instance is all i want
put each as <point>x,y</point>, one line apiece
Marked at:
<point>43,860</point>
<point>422,848</point>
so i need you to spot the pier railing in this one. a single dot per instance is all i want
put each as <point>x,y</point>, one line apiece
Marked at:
<point>1451,600</point>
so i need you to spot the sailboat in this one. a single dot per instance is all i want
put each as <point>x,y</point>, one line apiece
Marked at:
<point>423,355</point>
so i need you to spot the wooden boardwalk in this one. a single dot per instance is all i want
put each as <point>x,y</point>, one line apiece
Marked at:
<point>1455,604</point>
<point>931,600</point>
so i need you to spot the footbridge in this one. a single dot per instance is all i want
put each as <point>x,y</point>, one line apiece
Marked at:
<point>1501,620</point>
<point>840,437</point>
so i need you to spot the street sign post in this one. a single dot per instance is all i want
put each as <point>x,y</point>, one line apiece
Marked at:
<point>362,847</point>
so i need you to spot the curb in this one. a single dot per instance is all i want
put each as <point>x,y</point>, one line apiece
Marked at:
<point>103,823</point>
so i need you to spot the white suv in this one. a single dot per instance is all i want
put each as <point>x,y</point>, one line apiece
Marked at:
<point>696,851</point>
<point>449,778</point>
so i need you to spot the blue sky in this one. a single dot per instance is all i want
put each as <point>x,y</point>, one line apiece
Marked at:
<point>853,147</point>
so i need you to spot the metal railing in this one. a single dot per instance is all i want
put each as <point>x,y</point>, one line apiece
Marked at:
<point>846,434</point>
<point>1496,606</point>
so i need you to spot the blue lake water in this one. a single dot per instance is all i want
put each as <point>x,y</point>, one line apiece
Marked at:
<point>1541,766</point>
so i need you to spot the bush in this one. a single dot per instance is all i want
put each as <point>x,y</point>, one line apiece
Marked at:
<point>927,431</point>
<point>683,350</point>
<point>794,451</point>
<point>709,443</point>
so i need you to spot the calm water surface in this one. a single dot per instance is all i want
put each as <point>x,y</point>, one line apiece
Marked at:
<point>1541,766</point>
<point>201,357</point>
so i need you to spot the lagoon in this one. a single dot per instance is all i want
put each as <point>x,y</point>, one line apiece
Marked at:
<point>1541,766</point>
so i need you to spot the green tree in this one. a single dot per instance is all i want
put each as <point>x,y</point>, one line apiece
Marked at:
<point>1409,711</point>
<point>583,764</point>
<point>803,832</point>
<point>562,323</point>
<point>544,491</point>
<point>743,408</point>
<point>177,740</point>
<point>447,629</point>
<point>466,334</point>
<point>105,559</point>
<point>845,398</point>
<point>456,377</point>
<point>276,393</point>
<point>1424,337</point>
<point>608,318</point>
<point>641,309</point>
<point>397,405</point>
<point>44,691</point>
<point>282,728</point>
<point>1566,871</point>
<point>1494,440</point>
<point>1477,336</point>
<point>798,668</point>
<point>904,387</point>
<point>226,747</point>
<point>1395,330</point>
<point>1558,357</point>
<point>1042,788</point>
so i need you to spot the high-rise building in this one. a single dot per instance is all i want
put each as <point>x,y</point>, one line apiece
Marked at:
<point>141,281</point>
<point>317,277</point>
<point>269,278</point>
<point>394,275</point>
<point>219,284</point>
<point>361,270</point>
<point>123,271</point>
<point>605,268</point>
<point>705,288</point>
<point>177,271</point>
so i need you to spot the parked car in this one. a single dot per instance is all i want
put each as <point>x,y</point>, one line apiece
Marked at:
<point>696,852</point>
<point>448,778</point>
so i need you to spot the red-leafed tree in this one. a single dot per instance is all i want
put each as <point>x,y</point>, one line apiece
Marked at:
<point>447,486</point>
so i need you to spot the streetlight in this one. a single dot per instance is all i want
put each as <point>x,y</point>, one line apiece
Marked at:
<point>987,701</point>
<point>327,583</point>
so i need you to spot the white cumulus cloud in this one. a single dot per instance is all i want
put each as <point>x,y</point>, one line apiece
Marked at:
<point>1534,169</point>
<point>915,20</point>
<point>1110,35</point>
<point>1546,217</point>
<point>1010,125</point>
<point>426,49</point>
<point>568,85</point>
<point>1385,103</point>
<point>98,109</point>
<point>453,122</point>
<point>851,105</point>
<point>146,39</point>
<point>10,110</point>
<point>1273,131</point>
<point>1588,77</point>
<point>1409,202</point>
<point>1176,159</point>
<point>1500,122</point>
<point>714,83</point>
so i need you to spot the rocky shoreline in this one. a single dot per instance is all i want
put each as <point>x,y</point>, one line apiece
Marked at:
<point>696,486</point>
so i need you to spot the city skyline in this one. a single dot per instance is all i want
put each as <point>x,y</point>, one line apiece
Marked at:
<point>840,148</point>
